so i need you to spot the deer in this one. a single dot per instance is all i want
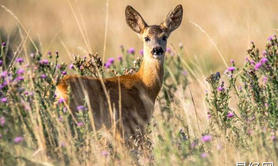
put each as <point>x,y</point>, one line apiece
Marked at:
<point>128,100</point>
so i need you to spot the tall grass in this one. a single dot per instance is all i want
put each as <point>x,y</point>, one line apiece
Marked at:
<point>240,124</point>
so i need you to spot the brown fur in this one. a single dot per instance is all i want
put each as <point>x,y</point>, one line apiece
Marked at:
<point>132,97</point>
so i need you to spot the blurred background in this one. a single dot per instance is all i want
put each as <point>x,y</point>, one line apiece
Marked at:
<point>209,27</point>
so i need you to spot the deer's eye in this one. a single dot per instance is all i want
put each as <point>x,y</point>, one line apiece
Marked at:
<point>147,39</point>
<point>164,38</point>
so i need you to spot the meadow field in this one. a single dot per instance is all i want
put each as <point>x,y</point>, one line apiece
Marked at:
<point>218,104</point>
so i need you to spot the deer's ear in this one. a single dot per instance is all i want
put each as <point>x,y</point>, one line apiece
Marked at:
<point>173,19</point>
<point>135,20</point>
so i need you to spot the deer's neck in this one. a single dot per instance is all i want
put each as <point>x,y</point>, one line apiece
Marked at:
<point>151,73</point>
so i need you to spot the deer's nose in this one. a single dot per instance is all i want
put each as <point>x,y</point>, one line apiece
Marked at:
<point>157,51</point>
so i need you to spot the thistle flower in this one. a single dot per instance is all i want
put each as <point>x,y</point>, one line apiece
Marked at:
<point>230,114</point>
<point>270,38</point>
<point>1,62</point>
<point>79,124</point>
<point>206,138</point>
<point>19,78</point>
<point>44,62</point>
<point>131,51</point>
<point>4,44</point>
<point>20,71</point>
<point>71,66</point>
<point>264,53</point>
<point>4,74</point>
<point>61,100</point>
<point>64,73</point>
<point>120,58</point>
<point>19,60</point>
<point>258,66</point>
<point>80,108</point>
<point>263,60</point>
<point>18,139</point>
<point>184,73</point>
<point>168,50</point>
<point>111,60</point>
<point>231,69</point>
<point>4,100</point>
<point>220,88</point>
<point>43,76</point>
<point>204,155</point>
<point>105,153</point>
<point>107,65</point>
<point>2,121</point>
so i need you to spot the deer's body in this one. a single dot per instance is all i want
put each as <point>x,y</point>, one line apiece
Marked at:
<point>131,97</point>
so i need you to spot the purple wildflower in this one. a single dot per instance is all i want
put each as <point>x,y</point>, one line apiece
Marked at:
<point>20,71</point>
<point>4,74</point>
<point>1,62</point>
<point>18,139</point>
<point>105,153</point>
<point>71,66</point>
<point>270,38</point>
<point>61,100</point>
<point>120,58</point>
<point>4,44</point>
<point>63,144</point>
<point>184,73</point>
<point>60,119</point>
<point>131,51</point>
<point>220,88</point>
<point>206,138</point>
<point>264,53</point>
<point>64,73</point>
<point>19,60</point>
<point>273,137</point>
<point>263,60</point>
<point>247,59</point>
<point>204,155</point>
<point>230,114</point>
<point>111,60</point>
<point>209,115</point>
<point>43,76</point>
<point>58,66</point>
<point>32,55</point>
<point>49,53</point>
<point>265,79</point>
<point>107,65</point>
<point>79,124</point>
<point>168,50</point>
<point>2,121</point>
<point>4,100</point>
<point>141,52</point>
<point>80,108</point>
<point>19,78</point>
<point>44,62</point>
<point>231,69</point>
<point>258,66</point>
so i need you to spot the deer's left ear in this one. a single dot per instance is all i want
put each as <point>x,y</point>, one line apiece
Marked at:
<point>173,19</point>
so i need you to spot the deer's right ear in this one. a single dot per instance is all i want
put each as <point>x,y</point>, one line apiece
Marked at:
<point>135,20</point>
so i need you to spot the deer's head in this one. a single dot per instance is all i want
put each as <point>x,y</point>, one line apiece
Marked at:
<point>154,36</point>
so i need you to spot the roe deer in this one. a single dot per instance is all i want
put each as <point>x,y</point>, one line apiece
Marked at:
<point>131,97</point>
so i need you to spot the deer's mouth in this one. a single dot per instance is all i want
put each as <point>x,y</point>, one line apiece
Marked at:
<point>157,52</point>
